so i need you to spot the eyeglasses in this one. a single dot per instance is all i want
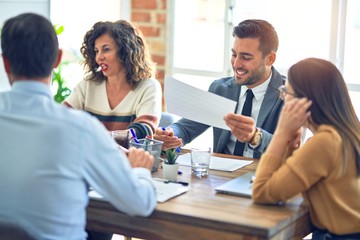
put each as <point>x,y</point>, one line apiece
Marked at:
<point>283,91</point>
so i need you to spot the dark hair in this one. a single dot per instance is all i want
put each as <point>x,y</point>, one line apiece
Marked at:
<point>30,44</point>
<point>132,50</point>
<point>261,29</point>
<point>320,81</point>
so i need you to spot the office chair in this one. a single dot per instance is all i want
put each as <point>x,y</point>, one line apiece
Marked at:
<point>166,119</point>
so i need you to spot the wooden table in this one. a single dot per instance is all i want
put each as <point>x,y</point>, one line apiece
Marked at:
<point>203,214</point>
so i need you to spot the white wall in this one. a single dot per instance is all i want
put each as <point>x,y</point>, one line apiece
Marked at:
<point>10,8</point>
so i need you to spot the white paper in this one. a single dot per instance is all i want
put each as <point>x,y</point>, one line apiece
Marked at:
<point>164,190</point>
<point>167,190</point>
<point>196,104</point>
<point>216,163</point>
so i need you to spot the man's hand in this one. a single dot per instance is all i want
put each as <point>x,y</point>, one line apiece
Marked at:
<point>242,127</point>
<point>168,138</point>
<point>140,158</point>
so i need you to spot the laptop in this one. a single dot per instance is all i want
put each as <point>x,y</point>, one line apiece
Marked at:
<point>240,186</point>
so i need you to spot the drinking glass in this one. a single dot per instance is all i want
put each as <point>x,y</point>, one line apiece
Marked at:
<point>200,161</point>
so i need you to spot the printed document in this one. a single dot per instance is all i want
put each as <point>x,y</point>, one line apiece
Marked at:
<point>195,104</point>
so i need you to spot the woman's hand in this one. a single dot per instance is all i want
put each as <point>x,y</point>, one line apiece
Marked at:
<point>288,132</point>
<point>293,116</point>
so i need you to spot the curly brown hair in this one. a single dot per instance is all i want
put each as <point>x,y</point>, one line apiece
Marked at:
<point>133,51</point>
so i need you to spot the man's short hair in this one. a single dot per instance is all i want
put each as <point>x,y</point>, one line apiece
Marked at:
<point>258,29</point>
<point>30,43</point>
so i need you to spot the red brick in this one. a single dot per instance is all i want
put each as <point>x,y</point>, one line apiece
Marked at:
<point>160,75</point>
<point>150,31</point>
<point>144,4</point>
<point>163,4</point>
<point>160,60</point>
<point>161,18</point>
<point>140,17</point>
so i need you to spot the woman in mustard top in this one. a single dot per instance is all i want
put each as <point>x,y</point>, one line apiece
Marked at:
<point>326,169</point>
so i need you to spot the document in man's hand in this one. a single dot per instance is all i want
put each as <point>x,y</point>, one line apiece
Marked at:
<point>196,104</point>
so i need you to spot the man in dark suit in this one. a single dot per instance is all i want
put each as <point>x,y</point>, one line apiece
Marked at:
<point>253,54</point>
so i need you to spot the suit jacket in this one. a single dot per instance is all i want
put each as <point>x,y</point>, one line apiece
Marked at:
<point>227,87</point>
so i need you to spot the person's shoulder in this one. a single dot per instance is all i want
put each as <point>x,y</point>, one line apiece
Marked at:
<point>226,81</point>
<point>328,132</point>
<point>76,117</point>
<point>277,76</point>
<point>149,83</point>
<point>222,83</point>
<point>327,138</point>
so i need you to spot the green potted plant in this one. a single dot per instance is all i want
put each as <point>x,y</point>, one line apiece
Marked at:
<point>170,167</point>
<point>57,79</point>
<point>171,155</point>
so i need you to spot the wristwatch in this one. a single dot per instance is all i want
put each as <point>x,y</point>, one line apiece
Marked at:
<point>256,139</point>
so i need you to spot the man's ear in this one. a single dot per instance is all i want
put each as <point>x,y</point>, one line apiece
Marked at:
<point>271,58</point>
<point>58,60</point>
<point>6,64</point>
<point>8,69</point>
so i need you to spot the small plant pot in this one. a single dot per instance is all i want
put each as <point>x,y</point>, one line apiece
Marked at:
<point>170,171</point>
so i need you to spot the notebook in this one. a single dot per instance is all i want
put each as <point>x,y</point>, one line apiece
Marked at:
<point>240,186</point>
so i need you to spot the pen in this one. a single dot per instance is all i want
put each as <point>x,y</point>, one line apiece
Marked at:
<point>171,181</point>
<point>178,182</point>
<point>133,134</point>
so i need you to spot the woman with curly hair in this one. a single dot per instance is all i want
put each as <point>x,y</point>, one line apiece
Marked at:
<point>118,87</point>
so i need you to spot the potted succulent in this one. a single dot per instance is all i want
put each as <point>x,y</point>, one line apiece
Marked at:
<point>170,167</point>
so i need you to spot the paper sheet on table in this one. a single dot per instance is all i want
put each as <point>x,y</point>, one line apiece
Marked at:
<point>164,191</point>
<point>168,190</point>
<point>196,104</point>
<point>216,163</point>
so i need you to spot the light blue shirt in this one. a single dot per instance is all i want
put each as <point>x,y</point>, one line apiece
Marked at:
<point>50,155</point>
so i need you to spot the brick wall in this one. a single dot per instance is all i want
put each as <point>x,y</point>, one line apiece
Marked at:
<point>150,16</point>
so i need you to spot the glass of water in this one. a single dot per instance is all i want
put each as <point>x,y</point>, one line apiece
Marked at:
<point>200,161</point>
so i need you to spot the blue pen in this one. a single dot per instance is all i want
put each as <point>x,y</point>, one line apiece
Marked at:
<point>133,134</point>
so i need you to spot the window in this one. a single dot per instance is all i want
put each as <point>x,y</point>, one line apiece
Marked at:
<point>202,30</point>
<point>351,45</point>
<point>201,49</point>
<point>300,35</point>
<point>78,17</point>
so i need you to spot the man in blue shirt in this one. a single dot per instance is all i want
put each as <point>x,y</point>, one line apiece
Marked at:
<point>50,154</point>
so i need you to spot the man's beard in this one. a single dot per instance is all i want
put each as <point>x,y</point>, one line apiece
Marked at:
<point>255,76</point>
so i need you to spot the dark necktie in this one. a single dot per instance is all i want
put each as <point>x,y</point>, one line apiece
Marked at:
<point>246,111</point>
